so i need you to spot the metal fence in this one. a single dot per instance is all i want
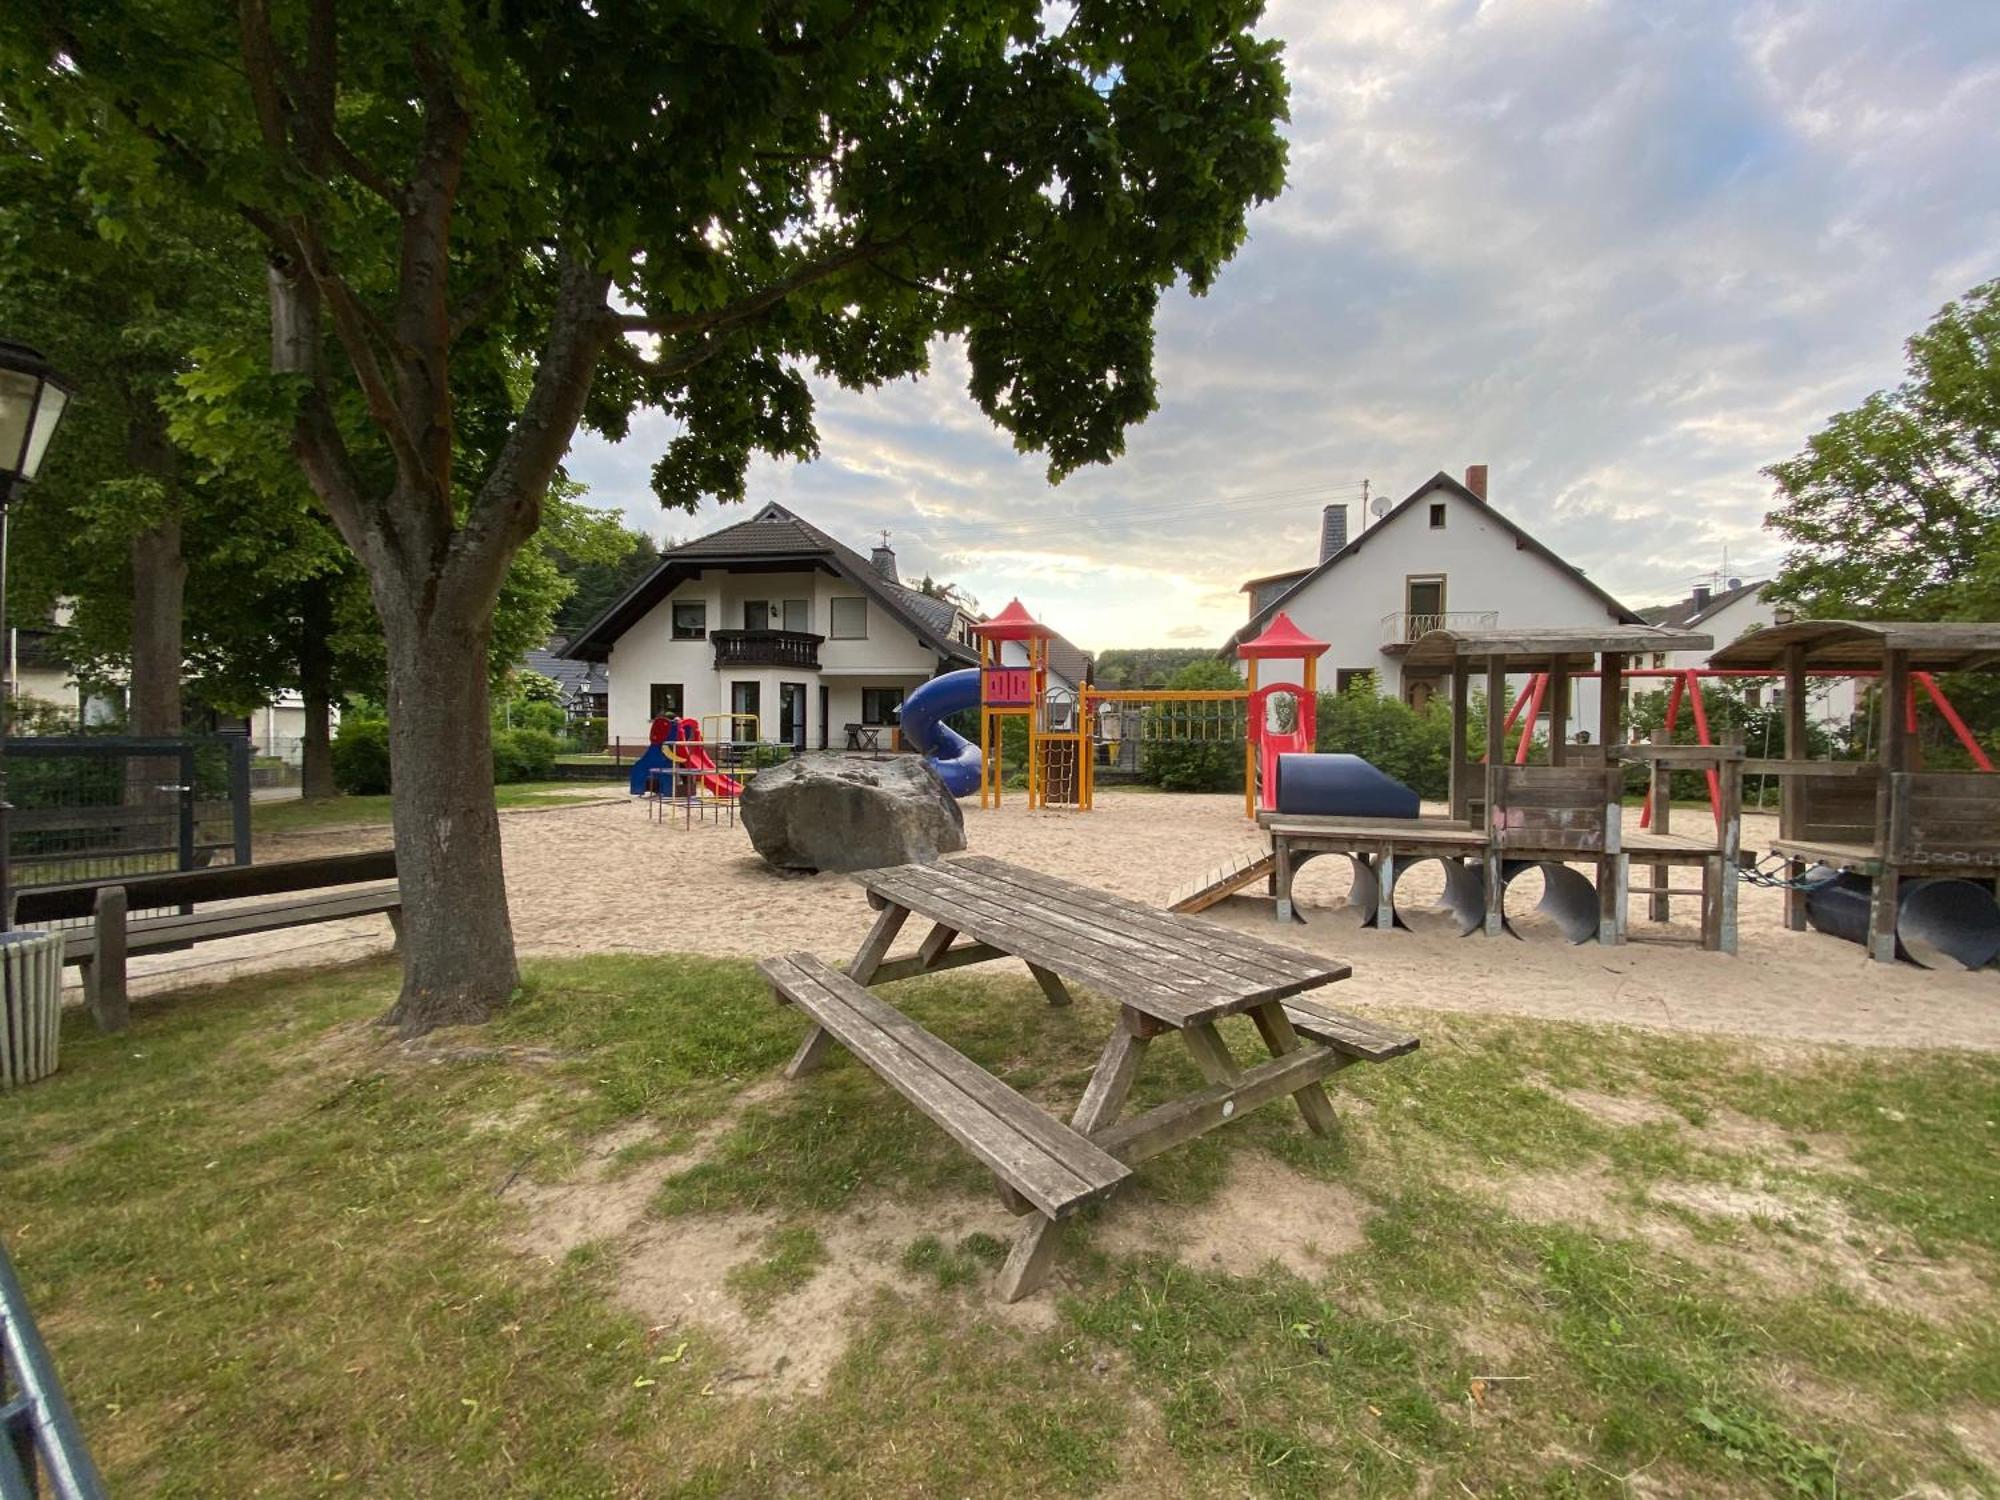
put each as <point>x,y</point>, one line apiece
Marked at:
<point>95,807</point>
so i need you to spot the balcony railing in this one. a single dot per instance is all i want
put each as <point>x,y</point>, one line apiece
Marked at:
<point>1402,627</point>
<point>766,648</point>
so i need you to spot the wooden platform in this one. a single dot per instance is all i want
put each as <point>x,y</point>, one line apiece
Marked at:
<point>1863,859</point>
<point>1225,880</point>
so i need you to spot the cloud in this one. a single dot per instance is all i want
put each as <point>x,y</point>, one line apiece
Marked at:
<point>1626,255</point>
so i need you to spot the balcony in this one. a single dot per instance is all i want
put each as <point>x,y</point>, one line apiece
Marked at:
<point>766,648</point>
<point>1402,627</point>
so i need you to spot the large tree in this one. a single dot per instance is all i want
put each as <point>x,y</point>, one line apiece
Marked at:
<point>489,223</point>
<point>1893,509</point>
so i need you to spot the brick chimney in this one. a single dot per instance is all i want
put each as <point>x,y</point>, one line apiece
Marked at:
<point>1332,530</point>
<point>1475,480</point>
<point>1701,597</point>
<point>884,559</point>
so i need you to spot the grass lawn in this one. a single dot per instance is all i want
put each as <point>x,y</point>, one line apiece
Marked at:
<point>276,1252</point>
<point>296,815</point>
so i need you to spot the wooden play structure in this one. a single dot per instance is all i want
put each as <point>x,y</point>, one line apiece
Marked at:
<point>1508,817</point>
<point>1904,831</point>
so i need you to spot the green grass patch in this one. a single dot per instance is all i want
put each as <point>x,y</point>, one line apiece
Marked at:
<point>277,1252</point>
<point>299,814</point>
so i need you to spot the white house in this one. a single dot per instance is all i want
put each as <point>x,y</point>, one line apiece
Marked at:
<point>1442,559</point>
<point>772,618</point>
<point>1728,615</point>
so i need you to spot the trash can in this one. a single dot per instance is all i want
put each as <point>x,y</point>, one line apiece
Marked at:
<point>31,965</point>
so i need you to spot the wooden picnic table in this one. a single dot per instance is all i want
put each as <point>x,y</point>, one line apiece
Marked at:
<point>1168,974</point>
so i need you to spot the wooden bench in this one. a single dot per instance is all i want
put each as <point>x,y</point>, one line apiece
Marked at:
<point>341,886</point>
<point>1047,1163</point>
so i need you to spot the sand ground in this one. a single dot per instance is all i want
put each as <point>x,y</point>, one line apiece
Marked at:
<point>601,877</point>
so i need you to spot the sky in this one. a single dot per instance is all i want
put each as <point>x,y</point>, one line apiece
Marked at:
<point>1624,253</point>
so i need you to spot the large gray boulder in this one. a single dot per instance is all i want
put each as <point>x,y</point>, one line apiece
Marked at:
<point>829,812</point>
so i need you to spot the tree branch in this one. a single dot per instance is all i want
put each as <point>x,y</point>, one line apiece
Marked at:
<point>744,308</point>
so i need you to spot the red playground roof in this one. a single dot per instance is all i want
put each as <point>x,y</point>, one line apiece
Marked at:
<point>1283,639</point>
<point>1014,623</point>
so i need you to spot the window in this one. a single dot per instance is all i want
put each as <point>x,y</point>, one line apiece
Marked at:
<point>849,618</point>
<point>1753,697</point>
<point>1347,677</point>
<point>691,620</point>
<point>798,615</point>
<point>1437,517</point>
<point>666,699</point>
<point>745,698</point>
<point>756,614</point>
<point>880,705</point>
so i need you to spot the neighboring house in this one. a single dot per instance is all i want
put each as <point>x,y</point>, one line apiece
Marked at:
<point>37,670</point>
<point>772,618</point>
<point>1442,559</point>
<point>1728,615</point>
<point>585,685</point>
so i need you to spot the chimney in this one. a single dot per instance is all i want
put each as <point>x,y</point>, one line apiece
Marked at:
<point>1332,530</point>
<point>884,559</point>
<point>1701,597</point>
<point>1475,480</point>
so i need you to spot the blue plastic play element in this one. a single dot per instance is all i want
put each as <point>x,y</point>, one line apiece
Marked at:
<point>1341,786</point>
<point>655,759</point>
<point>954,757</point>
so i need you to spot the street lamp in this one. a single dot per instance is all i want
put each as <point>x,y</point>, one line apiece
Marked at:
<point>33,398</point>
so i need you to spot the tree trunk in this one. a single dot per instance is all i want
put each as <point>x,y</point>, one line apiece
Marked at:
<point>316,689</point>
<point>159,583</point>
<point>458,942</point>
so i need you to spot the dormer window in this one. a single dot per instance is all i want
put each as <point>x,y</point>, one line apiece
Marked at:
<point>1437,516</point>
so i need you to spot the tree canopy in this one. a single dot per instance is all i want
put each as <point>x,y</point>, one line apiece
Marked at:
<point>1893,509</point>
<point>487,224</point>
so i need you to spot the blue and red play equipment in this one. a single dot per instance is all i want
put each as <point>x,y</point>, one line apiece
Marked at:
<point>954,757</point>
<point>675,745</point>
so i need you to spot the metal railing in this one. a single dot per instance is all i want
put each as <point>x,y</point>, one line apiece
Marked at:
<point>1401,627</point>
<point>766,648</point>
<point>39,1438</point>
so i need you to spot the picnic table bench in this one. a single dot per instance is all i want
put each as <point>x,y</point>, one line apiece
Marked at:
<point>1167,973</point>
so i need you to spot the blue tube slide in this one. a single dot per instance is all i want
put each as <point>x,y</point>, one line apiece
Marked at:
<point>954,757</point>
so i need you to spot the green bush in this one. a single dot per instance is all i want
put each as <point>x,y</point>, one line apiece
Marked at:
<point>524,755</point>
<point>588,736</point>
<point>529,713</point>
<point>361,756</point>
<point>1412,745</point>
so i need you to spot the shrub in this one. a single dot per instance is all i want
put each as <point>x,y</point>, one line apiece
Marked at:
<point>1200,766</point>
<point>529,713</point>
<point>361,756</point>
<point>588,736</point>
<point>1412,745</point>
<point>524,755</point>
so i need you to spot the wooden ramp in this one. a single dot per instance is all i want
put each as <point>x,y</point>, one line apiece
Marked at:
<point>1246,868</point>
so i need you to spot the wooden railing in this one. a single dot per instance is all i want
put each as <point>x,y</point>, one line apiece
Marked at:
<point>1574,809</point>
<point>766,648</point>
<point>1945,818</point>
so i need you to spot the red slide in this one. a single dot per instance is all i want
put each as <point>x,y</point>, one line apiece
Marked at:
<point>714,782</point>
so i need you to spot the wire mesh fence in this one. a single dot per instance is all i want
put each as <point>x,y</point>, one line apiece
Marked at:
<point>95,807</point>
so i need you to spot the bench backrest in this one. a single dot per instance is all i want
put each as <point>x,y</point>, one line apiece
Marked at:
<point>1572,808</point>
<point>56,903</point>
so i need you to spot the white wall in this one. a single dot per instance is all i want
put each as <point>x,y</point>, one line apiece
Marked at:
<point>889,655</point>
<point>1484,569</point>
<point>1829,700</point>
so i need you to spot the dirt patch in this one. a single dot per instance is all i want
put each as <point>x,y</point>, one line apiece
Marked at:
<point>1623,1110</point>
<point>1264,1212</point>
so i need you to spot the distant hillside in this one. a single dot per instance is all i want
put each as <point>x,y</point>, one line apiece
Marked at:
<point>1146,666</point>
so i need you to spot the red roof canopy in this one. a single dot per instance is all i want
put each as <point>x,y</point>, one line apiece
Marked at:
<point>1014,623</point>
<point>1283,639</point>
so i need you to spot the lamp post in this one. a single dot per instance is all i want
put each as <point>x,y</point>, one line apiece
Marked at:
<point>33,398</point>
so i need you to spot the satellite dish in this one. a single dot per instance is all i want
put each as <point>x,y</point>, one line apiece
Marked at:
<point>1380,508</point>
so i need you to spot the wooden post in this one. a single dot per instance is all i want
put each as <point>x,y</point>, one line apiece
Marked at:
<point>1896,751</point>
<point>1461,708</point>
<point>110,1003</point>
<point>1791,796</point>
<point>1610,882</point>
<point>1496,756</point>
<point>1558,711</point>
<point>1660,799</point>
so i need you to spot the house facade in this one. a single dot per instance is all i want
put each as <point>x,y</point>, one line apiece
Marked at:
<point>1729,614</point>
<point>773,621</point>
<point>1444,558</point>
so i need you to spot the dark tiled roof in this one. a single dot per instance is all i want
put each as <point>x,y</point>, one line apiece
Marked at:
<point>774,534</point>
<point>1072,663</point>
<point>1688,612</point>
<point>571,675</point>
